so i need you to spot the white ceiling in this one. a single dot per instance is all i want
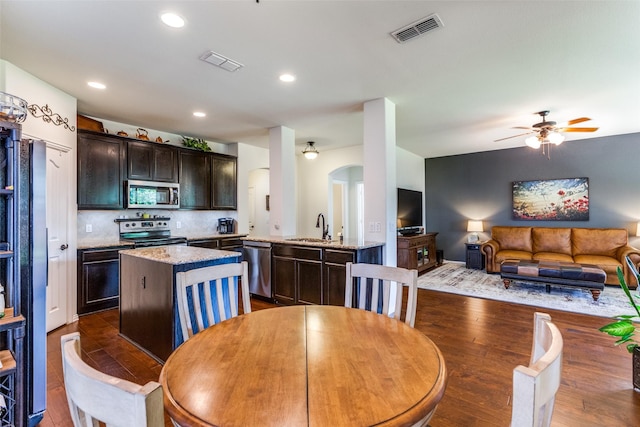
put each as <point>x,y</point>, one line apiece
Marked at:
<point>456,89</point>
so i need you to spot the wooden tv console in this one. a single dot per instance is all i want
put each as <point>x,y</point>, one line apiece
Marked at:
<point>417,252</point>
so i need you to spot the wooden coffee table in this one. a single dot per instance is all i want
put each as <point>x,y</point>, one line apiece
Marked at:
<point>305,366</point>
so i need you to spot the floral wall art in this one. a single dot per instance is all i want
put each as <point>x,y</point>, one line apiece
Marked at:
<point>551,200</point>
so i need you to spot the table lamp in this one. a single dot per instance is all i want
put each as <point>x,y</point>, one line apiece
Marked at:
<point>474,227</point>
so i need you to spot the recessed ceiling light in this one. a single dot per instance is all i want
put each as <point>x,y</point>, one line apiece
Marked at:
<point>172,20</point>
<point>288,78</point>
<point>97,85</point>
<point>199,114</point>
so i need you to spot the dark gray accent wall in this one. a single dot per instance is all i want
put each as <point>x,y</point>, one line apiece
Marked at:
<point>478,186</point>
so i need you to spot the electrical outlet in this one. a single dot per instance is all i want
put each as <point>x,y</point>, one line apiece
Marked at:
<point>378,227</point>
<point>178,224</point>
<point>88,228</point>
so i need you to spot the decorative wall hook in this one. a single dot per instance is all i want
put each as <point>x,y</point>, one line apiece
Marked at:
<point>49,116</point>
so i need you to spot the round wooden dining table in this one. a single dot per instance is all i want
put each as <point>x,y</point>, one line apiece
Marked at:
<point>305,366</point>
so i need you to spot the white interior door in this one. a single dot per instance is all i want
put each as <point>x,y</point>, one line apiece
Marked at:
<point>58,174</point>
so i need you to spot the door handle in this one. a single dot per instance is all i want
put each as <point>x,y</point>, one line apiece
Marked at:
<point>63,247</point>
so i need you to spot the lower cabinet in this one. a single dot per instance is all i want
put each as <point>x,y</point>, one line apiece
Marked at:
<point>314,275</point>
<point>98,279</point>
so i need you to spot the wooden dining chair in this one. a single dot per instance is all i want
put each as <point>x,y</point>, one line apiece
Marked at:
<point>208,295</point>
<point>535,386</point>
<point>369,287</point>
<point>95,397</point>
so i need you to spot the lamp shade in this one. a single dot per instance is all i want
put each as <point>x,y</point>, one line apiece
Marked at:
<point>638,229</point>
<point>474,226</point>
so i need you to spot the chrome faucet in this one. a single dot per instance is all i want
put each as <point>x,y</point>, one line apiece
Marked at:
<point>325,230</point>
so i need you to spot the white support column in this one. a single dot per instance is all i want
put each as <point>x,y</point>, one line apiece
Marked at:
<point>380,203</point>
<point>282,197</point>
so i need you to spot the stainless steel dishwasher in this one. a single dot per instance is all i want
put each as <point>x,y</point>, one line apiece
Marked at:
<point>258,256</point>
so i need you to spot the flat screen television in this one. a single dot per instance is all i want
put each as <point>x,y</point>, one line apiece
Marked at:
<point>409,211</point>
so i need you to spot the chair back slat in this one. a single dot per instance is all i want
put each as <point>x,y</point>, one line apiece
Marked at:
<point>535,386</point>
<point>209,295</point>
<point>373,286</point>
<point>95,397</point>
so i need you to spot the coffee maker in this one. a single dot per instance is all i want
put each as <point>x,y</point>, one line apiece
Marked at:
<point>226,225</point>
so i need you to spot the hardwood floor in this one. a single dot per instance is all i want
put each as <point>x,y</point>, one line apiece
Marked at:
<point>482,341</point>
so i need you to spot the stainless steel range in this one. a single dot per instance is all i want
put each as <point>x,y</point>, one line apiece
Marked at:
<point>145,232</point>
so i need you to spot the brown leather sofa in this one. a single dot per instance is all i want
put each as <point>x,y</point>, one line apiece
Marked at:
<point>604,247</point>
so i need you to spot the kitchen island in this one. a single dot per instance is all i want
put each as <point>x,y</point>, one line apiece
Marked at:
<point>148,311</point>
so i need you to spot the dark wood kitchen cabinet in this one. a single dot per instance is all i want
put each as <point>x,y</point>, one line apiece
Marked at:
<point>195,179</point>
<point>98,279</point>
<point>152,161</point>
<point>296,274</point>
<point>224,182</point>
<point>101,171</point>
<point>314,275</point>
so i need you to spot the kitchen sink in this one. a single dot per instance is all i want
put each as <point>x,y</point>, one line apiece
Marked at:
<point>308,240</point>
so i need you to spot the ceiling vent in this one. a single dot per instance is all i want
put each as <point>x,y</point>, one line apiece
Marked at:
<point>220,61</point>
<point>417,28</point>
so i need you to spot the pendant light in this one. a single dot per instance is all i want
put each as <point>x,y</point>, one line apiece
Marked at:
<point>310,151</point>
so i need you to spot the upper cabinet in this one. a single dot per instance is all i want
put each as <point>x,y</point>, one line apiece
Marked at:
<point>224,182</point>
<point>100,171</point>
<point>195,180</point>
<point>208,181</point>
<point>152,161</point>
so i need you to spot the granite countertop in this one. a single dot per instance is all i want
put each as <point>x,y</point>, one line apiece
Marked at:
<point>176,254</point>
<point>353,244</point>
<point>102,244</point>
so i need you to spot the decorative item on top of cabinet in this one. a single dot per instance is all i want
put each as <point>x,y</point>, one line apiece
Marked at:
<point>417,252</point>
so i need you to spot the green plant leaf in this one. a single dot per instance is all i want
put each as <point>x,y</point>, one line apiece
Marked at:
<point>619,329</point>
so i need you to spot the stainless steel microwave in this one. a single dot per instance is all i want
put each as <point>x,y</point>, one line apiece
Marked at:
<point>153,195</point>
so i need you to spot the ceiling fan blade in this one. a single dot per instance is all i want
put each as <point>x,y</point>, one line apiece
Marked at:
<point>580,120</point>
<point>514,136</point>
<point>522,127</point>
<point>577,129</point>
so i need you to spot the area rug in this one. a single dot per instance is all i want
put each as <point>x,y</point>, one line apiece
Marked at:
<point>454,278</point>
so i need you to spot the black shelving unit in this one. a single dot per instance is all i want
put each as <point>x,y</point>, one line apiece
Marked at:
<point>12,324</point>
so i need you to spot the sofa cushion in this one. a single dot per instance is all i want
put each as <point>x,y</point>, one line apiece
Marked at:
<point>608,264</point>
<point>513,238</point>
<point>554,240</point>
<point>598,241</point>
<point>552,256</point>
<point>512,255</point>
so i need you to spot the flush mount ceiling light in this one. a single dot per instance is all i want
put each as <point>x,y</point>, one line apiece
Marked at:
<point>97,85</point>
<point>220,61</point>
<point>172,20</point>
<point>287,78</point>
<point>199,114</point>
<point>310,151</point>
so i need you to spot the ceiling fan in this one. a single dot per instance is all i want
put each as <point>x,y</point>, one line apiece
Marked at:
<point>548,131</point>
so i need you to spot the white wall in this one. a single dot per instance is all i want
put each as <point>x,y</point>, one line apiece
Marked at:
<point>250,158</point>
<point>313,186</point>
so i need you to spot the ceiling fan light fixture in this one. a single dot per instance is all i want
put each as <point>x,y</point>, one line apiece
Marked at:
<point>555,138</point>
<point>310,151</point>
<point>533,142</point>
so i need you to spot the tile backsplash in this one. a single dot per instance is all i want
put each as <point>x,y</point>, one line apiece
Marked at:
<point>194,224</point>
